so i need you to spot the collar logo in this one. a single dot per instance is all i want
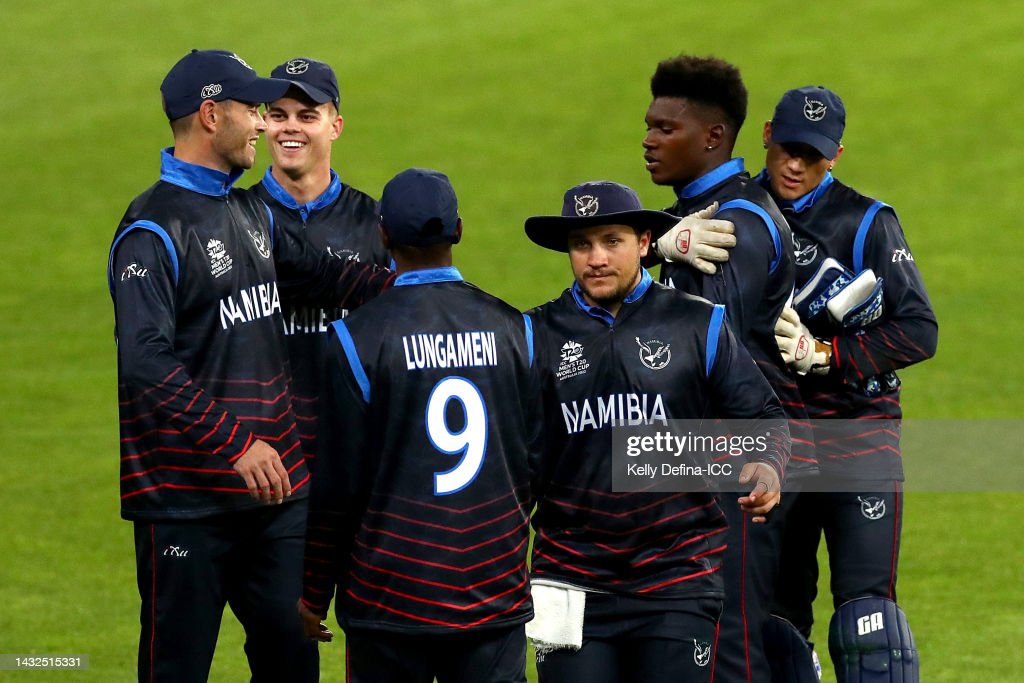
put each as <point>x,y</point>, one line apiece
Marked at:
<point>240,61</point>
<point>211,90</point>
<point>586,205</point>
<point>296,67</point>
<point>814,110</point>
<point>701,652</point>
<point>654,353</point>
<point>872,507</point>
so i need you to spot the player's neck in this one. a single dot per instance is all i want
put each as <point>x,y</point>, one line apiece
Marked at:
<point>193,151</point>
<point>305,188</point>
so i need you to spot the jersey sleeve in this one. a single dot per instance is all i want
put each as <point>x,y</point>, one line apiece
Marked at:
<point>908,331</point>
<point>740,392</point>
<point>313,276</point>
<point>143,277</point>
<point>740,282</point>
<point>342,482</point>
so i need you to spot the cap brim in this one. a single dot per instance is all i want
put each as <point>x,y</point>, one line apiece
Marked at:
<point>782,133</point>
<point>261,90</point>
<point>552,232</point>
<point>313,93</point>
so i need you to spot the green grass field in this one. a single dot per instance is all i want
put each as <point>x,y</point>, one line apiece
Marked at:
<point>516,102</point>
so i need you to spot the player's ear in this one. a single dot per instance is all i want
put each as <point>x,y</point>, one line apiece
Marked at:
<point>714,135</point>
<point>336,126</point>
<point>209,115</point>
<point>645,241</point>
<point>839,153</point>
<point>458,232</point>
<point>766,135</point>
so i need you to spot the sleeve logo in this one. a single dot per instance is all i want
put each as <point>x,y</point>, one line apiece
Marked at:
<point>133,270</point>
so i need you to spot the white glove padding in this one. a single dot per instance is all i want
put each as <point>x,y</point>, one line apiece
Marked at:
<point>698,240</point>
<point>859,302</point>
<point>798,346</point>
<point>829,279</point>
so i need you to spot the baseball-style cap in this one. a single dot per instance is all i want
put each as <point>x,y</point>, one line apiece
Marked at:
<point>599,202</point>
<point>813,115</point>
<point>314,78</point>
<point>214,75</point>
<point>418,208</point>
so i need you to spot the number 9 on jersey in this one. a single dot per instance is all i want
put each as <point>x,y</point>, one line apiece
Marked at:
<point>470,441</point>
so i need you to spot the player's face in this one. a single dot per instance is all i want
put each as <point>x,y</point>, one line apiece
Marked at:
<point>794,168</point>
<point>675,141</point>
<point>606,262</point>
<point>300,133</point>
<point>238,128</point>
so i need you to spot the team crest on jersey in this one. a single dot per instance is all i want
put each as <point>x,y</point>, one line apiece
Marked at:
<point>804,251</point>
<point>872,507</point>
<point>701,652</point>
<point>260,240</point>
<point>586,205</point>
<point>654,353</point>
<point>343,254</point>
<point>220,262</point>
<point>572,362</point>
<point>814,110</point>
<point>133,270</point>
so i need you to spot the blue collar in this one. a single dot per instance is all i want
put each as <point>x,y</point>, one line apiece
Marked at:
<point>800,203</point>
<point>711,178</point>
<point>429,275</point>
<point>601,314</point>
<point>281,195</point>
<point>201,179</point>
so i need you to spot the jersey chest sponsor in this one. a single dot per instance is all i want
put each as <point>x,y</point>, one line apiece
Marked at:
<point>614,409</point>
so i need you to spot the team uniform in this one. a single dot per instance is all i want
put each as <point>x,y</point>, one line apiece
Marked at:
<point>344,222</point>
<point>420,508</point>
<point>649,562</point>
<point>203,374</point>
<point>754,285</point>
<point>862,519</point>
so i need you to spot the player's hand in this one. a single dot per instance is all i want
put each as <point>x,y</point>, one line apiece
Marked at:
<point>766,491</point>
<point>698,240</point>
<point>264,475</point>
<point>798,346</point>
<point>313,625</point>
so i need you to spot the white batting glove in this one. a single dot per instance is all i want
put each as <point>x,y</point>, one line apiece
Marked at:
<point>798,346</point>
<point>698,240</point>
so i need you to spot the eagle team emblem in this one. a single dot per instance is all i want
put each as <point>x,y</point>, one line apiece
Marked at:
<point>701,652</point>
<point>654,354</point>
<point>814,110</point>
<point>586,205</point>
<point>872,507</point>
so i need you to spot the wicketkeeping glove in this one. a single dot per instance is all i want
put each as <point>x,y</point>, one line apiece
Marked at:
<point>828,280</point>
<point>859,302</point>
<point>698,240</point>
<point>798,346</point>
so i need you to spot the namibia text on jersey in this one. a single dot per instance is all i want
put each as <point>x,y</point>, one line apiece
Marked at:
<point>611,410</point>
<point>258,301</point>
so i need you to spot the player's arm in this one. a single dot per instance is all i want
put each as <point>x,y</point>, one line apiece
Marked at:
<point>342,480</point>
<point>907,331</point>
<point>740,392</point>
<point>143,285</point>
<point>740,283</point>
<point>314,276</point>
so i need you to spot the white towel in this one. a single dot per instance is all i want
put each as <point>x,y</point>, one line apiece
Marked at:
<point>557,618</point>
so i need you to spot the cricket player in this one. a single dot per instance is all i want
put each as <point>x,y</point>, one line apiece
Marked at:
<point>419,515</point>
<point>309,200</point>
<point>698,106</point>
<point>861,312</point>
<point>627,586</point>
<point>212,475</point>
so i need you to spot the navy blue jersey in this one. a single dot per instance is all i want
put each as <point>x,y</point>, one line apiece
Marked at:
<point>202,368</point>
<point>755,284</point>
<point>594,374</point>
<point>420,504</point>
<point>344,223</point>
<point>836,221</point>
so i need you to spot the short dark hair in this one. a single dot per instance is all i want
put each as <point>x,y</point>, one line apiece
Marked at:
<point>706,80</point>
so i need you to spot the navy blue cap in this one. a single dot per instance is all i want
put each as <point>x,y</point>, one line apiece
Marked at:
<point>314,78</point>
<point>598,202</point>
<point>813,115</point>
<point>214,75</point>
<point>418,208</point>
